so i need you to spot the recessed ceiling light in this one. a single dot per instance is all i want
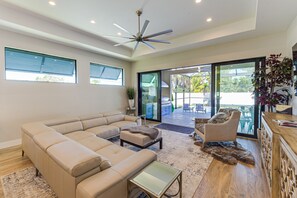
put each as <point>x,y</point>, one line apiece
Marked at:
<point>119,33</point>
<point>52,3</point>
<point>198,1</point>
<point>209,19</point>
<point>93,21</point>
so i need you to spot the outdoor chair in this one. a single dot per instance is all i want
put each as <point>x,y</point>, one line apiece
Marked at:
<point>221,127</point>
<point>200,107</point>
<point>186,107</point>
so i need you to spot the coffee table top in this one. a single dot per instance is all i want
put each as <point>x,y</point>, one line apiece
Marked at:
<point>156,178</point>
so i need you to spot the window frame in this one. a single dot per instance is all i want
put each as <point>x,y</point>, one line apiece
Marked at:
<point>106,65</point>
<point>44,56</point>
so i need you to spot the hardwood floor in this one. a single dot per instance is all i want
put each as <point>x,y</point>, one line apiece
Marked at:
<point>11,160</point>
<point>220,180</point>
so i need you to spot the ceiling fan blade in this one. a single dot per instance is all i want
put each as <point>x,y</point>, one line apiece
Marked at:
<point>149,45</point>
<point>119,44</point>
<point>120,27</point>
<point>136,45</point>
<point>158,34</point>
<point>124,37</point>
<point>144,27</point>
<point>157,41</point>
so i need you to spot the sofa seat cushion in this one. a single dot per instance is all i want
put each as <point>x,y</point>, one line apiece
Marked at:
<point>137,138</point>
<point>94,143</point>
<point>74,158</point>
<point>47,139</point>
<point>124,124</point>
<point>115,153</point>
<point>105,131</point>
<point>79,135</point>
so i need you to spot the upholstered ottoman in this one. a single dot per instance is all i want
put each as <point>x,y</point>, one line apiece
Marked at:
<point>139,140</point>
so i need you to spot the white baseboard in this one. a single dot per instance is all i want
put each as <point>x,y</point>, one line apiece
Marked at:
<point>9,144</point>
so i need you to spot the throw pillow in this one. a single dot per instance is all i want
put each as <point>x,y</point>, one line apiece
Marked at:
<point>220,117</point>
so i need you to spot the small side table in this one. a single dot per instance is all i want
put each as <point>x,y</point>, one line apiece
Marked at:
<point>155,179</point>
<point>130,111</point>
<point>143,116</point>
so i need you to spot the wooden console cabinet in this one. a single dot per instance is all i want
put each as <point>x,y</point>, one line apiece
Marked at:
<point>279,155</point>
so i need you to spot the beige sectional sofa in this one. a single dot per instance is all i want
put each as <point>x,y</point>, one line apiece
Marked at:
<point>77,162</point>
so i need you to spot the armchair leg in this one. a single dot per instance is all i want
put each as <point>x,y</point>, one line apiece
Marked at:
<point>203,145</point>
<point>235,143</point>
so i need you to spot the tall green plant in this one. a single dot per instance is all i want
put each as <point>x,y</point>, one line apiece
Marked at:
<point>130,93</point>
<point>270,80</point>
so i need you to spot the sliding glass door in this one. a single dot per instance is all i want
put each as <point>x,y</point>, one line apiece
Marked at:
<point>233,88</point>
<point>149,95</point>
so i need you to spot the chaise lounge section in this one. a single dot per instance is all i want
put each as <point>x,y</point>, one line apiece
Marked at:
<point>76,161</point>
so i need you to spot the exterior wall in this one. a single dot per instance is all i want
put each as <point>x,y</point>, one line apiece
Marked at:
<point>23,101</point>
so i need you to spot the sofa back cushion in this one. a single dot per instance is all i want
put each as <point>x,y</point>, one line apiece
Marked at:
<point>115,118</point>
<point>112,113</point>
<point>66,125</point>
<point>94,122</point>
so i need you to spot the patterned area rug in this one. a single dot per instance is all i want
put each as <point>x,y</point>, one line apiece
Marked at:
<point>178,151</point>
<point>23,183</point>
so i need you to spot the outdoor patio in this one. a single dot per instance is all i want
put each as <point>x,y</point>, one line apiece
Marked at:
<point>184,118</point>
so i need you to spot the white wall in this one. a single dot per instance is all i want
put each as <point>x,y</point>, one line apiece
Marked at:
<point>291,41</point>
<point>249,48</point>
<point>22,102</point>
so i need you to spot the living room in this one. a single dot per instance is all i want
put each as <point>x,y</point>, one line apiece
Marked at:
<point>255,29</point>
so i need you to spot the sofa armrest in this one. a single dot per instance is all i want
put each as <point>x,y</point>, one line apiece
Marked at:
<point>133,119</point>
<point>133,164</point>
<point>112,182</point>
<point>97,184</point>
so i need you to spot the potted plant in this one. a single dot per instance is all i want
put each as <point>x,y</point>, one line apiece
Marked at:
<point>131,94</point>
<point>269,81</point>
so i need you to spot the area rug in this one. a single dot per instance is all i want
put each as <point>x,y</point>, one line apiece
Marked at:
<point>25,184</point>
<point>178,151</point>
<point>227,152</point>
<point>176,128</point>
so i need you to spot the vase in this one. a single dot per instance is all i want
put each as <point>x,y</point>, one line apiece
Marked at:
<point>131,103</point>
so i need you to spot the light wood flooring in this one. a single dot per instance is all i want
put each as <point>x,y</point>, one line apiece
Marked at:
<point>220,180</point>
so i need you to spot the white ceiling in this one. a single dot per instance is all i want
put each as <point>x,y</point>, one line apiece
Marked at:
<point>69,22</point>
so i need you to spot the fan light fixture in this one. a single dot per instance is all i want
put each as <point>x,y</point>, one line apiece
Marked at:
<point>139,37</point>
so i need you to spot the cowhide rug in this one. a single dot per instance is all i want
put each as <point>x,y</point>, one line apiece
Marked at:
<point>226,152</point>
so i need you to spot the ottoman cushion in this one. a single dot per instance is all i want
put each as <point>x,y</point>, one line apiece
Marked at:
<point>137,138</point>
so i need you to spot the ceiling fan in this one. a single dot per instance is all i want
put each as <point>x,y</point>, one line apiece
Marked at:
<point>139,36</point>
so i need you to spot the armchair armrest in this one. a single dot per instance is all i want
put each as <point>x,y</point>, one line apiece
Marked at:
<point>220,131</point>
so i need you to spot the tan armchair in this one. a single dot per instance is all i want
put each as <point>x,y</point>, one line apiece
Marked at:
<point>218,132</point>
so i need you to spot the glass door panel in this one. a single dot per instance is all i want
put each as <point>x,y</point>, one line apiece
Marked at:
<point>234,89</point>
<point>149,98</point>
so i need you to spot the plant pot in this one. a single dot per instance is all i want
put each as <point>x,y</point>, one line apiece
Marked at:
<point>131,103</point>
